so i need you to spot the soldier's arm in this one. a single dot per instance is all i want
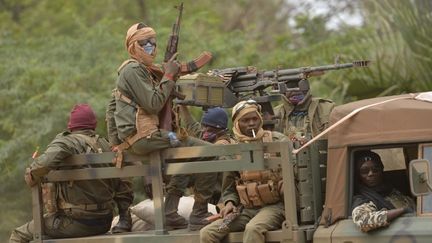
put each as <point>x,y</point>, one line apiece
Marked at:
<point>111,125</point>
<point>139,85</point>
<point>193,127</point>
<point>57,151</point>
<point>229,191</point>
<point>367,217</point>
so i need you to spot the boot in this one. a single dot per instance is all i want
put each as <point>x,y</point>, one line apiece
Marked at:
<point>198,217</point>
<point>172,219</point>
<point>125,220</point>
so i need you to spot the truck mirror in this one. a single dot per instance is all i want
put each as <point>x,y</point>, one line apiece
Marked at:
<point>420,177</point>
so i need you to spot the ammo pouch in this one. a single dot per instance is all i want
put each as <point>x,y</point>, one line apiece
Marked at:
<point>259,188</point>
<point>49,197</point>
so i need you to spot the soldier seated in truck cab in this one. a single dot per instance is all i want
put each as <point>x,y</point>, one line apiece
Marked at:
<point>376,202</point>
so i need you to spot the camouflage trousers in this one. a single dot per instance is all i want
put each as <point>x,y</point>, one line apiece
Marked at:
<point>255,222</point>
<point>159,140</point>
<point>205,186</point>
<point>61,226</point>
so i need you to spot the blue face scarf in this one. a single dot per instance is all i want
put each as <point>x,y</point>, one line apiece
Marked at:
<point>149,48</point>
<point>296,98</point>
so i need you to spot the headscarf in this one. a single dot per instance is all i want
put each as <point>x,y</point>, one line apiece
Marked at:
<point>239,110</point>
<point>134,49</point>
<point>82,117</point>
<point>375,194</point>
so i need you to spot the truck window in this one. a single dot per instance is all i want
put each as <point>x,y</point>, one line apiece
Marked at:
<point>425,202</point>
<point>393,158</point>
<point>395,169</point>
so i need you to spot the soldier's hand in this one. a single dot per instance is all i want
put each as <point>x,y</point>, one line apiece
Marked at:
<point>171,68</point>
<point>114,148</point>
<point>229,207</point>
<point>29,178</point>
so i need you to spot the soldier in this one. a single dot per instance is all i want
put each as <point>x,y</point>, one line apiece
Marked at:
<point>376,202</point>
<point>141,93</point>
<point>260,214</point>
<point>213,129</point>
<point>301,115</point>
<point>78,208</point>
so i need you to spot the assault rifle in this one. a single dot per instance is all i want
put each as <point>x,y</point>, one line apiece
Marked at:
<point>166,114</point>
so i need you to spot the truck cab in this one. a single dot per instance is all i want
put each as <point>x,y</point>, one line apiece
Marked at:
<point>398,128</point>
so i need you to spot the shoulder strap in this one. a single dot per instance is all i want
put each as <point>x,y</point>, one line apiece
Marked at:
<point>120,96</point>
<point>267,138</point>
<point>90,141</point>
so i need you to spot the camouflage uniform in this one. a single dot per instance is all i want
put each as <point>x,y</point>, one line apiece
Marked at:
<point>303,120</point>
<point>139,85</point>
<point>74,198</point>
<point>205,184</point>
<point>368,217</point>
<point>253,221</point>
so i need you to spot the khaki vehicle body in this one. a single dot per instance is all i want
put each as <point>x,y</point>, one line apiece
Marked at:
<point>398,128</point>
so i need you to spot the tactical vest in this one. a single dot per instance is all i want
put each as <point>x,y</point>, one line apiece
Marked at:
<point>145,124</point>
<point>260,187</point>
<point>51,192</point>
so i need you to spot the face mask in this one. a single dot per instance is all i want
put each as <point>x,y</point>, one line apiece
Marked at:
<point>149,48</point>
<point>209,136</point>
<point>296,98</point>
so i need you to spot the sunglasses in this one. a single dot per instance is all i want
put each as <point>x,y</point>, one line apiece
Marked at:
<point>144,42</point>
<point>244,105</point>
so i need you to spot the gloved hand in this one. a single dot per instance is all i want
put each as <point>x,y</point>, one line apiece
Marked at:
<point>29,178</point>
<point>171,69</point>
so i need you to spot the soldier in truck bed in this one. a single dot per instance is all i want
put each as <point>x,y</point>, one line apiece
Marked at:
<point>142,91</point>
<point>213,128</point>
<point>263,211</point>
<point>376,202</point>
<point>302,116</point>
<point>82,207</point>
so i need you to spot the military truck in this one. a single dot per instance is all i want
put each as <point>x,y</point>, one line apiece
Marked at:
<point>318,179</point>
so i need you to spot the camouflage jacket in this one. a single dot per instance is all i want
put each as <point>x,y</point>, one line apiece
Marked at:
<point>81,191</point>
<point>229,191</point>
<point>139,85</point>
<point>368,216</point>
<point>310,117</point>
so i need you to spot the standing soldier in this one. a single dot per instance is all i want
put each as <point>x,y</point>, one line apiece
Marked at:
<point>301,115</point>
<point>78,208</point>
<point>213,129</point>
<point>141,93</point>
<point>260,214</point>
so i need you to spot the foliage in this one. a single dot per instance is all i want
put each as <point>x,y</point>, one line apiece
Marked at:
<point>58,53</point>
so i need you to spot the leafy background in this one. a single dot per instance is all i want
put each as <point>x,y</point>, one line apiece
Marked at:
<point>58,53</point>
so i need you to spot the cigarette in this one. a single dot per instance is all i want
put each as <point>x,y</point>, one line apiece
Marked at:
<point>253,133</point>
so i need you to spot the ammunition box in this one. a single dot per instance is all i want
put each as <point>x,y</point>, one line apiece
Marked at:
<point>201,90</point>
